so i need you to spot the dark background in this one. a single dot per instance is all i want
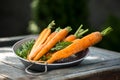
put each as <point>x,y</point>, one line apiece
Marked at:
<point>15,16</point>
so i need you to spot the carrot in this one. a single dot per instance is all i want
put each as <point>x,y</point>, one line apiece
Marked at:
<point>59,36</point>
<point>36,51</point>
<point>78,34</point>
<point>79,45</point>
<point>40,40</point>
<point>52,35</point>
<point>70,38</point>
<point>44,34</point>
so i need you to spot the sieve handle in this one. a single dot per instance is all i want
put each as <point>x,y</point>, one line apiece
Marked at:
<point>28,71</point>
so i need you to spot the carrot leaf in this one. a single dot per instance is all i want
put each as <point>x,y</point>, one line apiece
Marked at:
<point>79,33</point>
<point>51,24</point>
<point>60,45</point>
<point>69,28</point>
<point>57,29</point>
<point>78,30</point>
<point>25,48</point>
<point>106,31</point>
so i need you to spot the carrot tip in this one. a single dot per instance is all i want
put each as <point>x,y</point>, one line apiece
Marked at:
<point>68,28</point>
<point>78,30</point>
<point>106,31</point>
<point>51,24</point>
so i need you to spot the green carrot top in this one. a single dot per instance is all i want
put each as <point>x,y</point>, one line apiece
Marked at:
<point>106,31</point>
<point>51,24</point>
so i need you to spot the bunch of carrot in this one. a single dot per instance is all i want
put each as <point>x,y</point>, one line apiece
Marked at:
<point>48,40</point>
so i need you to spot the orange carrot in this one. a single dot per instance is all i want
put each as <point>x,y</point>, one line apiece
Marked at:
<point>40,46</point>
<point>70,38</point>
<point>59,36</point>
<point>78,34</point>
<point>40,40</point>
<point>52,35</point>
<point>78,45</point>
<point>37,50</point>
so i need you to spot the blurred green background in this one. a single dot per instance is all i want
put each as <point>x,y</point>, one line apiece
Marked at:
<point>76,12</point>
<point>93,14</point>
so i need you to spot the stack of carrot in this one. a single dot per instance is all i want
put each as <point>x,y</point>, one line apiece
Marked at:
<point>48,40</point>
